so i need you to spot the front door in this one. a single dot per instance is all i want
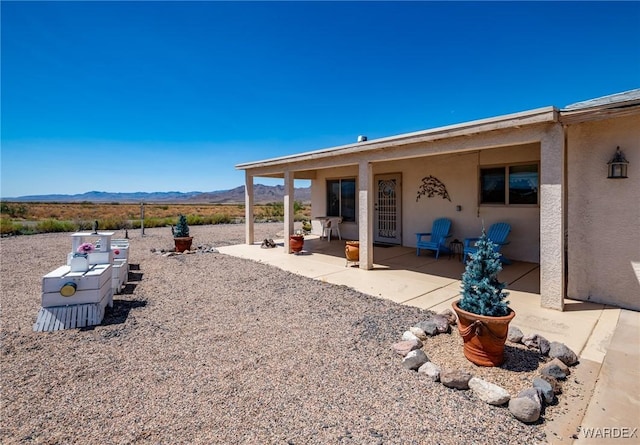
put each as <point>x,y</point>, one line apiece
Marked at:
<point>387,205</point>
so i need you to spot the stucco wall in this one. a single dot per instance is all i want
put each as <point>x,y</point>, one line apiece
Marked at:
<point>459,173</point>
<point>603,215</point>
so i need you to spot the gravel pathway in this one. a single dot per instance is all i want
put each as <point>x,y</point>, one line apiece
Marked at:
<point>209,348</point>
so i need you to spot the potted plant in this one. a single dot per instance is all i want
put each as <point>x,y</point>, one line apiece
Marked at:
<point>352,251</point>
<point>296,241</point>
<point>483,312</point>
<point>181,235</point>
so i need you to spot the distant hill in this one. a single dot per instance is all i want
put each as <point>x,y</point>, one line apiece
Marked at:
<point>262,195</point>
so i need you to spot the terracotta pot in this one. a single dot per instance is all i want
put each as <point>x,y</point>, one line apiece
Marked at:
<point>296,242</point>
<point>183,243</point>
<point>483,336</point>
<point>352,251</point>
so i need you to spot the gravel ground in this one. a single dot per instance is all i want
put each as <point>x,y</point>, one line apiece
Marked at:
<point>209,348</point>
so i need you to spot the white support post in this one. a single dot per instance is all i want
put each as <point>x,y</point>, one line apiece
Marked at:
<point>288,209</point>
<point>552,219</point>
<point>365,214</point>
<point>248,208</point>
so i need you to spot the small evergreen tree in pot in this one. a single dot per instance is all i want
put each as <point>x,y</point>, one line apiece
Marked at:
<point>482,293</point>
<point>182,228</point>
<point>181,235</point>
<point>483,312</point>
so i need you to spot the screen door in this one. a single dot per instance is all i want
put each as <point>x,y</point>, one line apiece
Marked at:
<point>387,205</point>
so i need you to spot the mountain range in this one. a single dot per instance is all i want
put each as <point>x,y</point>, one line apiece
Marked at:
<point>262,194</point>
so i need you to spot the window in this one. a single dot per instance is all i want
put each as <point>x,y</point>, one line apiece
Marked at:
<point>341,198</point>
<point>492,185</point>
<point>512,184</point>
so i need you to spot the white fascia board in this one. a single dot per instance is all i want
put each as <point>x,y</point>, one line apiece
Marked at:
<point>516,120</point>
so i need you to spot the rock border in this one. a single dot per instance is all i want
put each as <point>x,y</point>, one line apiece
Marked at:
<point>525,406</point>
<point>201,248</point>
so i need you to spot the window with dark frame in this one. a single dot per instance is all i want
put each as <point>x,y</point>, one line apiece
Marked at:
<point>341,198</point>
<point>509,185</point>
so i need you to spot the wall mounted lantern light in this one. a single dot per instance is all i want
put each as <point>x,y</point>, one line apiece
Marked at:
<point>618,166</point>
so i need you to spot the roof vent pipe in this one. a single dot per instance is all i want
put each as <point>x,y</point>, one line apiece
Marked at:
<point>362,138</point>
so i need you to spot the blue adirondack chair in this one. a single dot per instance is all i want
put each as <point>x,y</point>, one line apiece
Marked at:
<point>437,237</point>
<point>497,233</point>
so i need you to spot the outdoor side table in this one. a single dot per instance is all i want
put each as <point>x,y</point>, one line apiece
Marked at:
<point>455,249</point>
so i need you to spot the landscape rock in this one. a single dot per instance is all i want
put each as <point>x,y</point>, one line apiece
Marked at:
<point>489,392</point>
<point>442,323</point>
<point>537,341</point>
<point>414,359</point>
<point>544,345</point>
<point>431,370</point>
<point>428,326</point>
<point>556,369</point>
<point>455,378</point>
<point>515,334</point>
<point>531,340</point>
<point>406,346</point>
<point>531,393</point>
<point>449,315</point>
<point>418,332</point>
<point>557,387</point>
<point>524,409</point>
<point>408,335</point>
<point>563,353</point>
<point>545,389</point>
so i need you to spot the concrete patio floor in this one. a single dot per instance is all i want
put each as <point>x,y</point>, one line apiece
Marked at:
<point>608,369</point>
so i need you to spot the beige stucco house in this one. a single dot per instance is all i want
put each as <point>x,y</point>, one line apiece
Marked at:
<point>543,171</point>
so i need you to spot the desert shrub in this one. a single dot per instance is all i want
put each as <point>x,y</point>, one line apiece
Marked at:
<point>220,218</point>
<point>157,222</point>
<point>195,220</point>
<point>273,210</point>
<point>111,224</point>
<point>16,210</point>
<point>298,206</point>
<point>8,227</point>
<point>82,224</point>
<point>52,225</point>
<point>148,223</point>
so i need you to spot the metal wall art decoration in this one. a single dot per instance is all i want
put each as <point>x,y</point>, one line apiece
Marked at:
<point>432,186</point>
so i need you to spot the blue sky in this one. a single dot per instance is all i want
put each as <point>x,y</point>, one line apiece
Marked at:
<point>160,96</point>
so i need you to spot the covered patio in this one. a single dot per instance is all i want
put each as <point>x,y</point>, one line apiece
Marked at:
<point>545,172</point>
<point>453,157</point>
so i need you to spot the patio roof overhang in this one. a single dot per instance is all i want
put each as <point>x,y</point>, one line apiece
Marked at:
<point>394,147</point>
